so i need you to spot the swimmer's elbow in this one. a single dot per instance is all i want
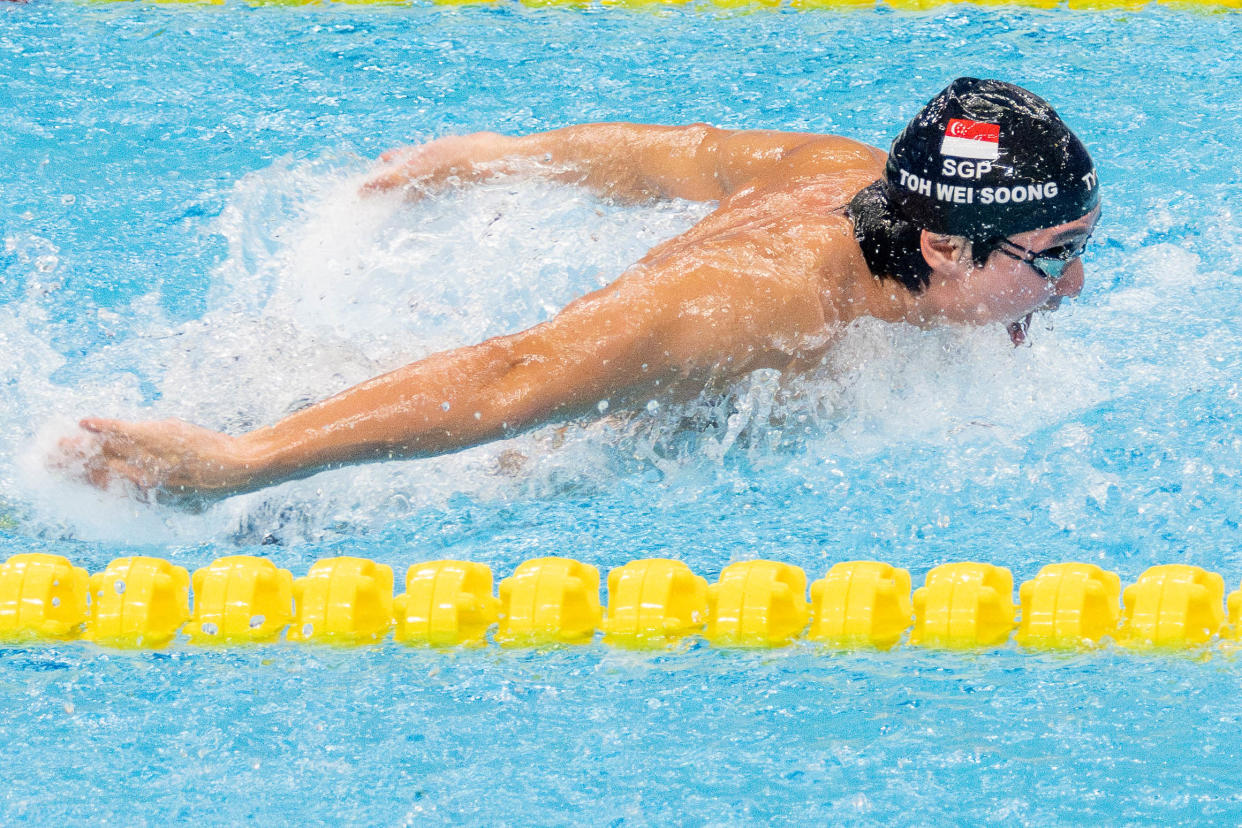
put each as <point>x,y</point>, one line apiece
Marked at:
<point>599,347</point>
<point>513,395</point>
<point>542,387</point>
<point>531,393</point>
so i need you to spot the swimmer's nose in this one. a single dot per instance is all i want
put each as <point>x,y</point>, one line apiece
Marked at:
<point>1070,283</point>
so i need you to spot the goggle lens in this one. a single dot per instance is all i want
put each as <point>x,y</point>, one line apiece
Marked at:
<point>1050,263</point>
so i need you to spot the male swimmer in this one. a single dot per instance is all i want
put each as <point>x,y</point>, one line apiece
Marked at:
<point>978,215</point>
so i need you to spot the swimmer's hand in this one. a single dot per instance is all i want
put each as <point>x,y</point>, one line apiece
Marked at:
<point>427,167</point>
<point>170,461</point>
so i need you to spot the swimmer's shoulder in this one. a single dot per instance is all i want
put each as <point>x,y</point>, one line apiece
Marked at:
<point>834,155</point>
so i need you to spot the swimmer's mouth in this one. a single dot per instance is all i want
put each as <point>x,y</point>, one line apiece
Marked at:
<point>1017,330</point>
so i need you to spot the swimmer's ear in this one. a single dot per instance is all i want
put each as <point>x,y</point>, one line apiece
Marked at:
<point>944,253</point>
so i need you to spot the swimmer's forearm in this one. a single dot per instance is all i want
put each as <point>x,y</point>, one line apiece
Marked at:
<point>696,162</point>
<point>606,345</point>
<point>631,161</point>
<point>435,406</point>
<point>448,402</point>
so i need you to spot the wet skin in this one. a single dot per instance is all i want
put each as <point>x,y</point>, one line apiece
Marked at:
<point>764,281</point>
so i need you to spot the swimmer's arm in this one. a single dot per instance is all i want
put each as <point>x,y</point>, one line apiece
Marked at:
<point>591,351</point>
<point>630,161</point>
<point>600,346</point>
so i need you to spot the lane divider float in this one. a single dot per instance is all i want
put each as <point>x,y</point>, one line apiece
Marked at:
<point>145,603</point>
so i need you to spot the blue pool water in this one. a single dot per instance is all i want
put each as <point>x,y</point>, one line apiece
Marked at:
<point>180,236</point>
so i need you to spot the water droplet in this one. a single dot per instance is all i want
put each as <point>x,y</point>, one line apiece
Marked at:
<point>119,586</point>
<point>68,198</point>
<point>210,628</point>
<point>307,629</point>
<point>603,406</point>
<point>444,406</point>
<point>652,407</point>
<point>256,621</point>
<point>56,602</point>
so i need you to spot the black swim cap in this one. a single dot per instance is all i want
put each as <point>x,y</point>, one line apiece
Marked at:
<point>986,159</point>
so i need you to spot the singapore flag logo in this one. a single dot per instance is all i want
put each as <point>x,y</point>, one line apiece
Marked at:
<point>971,139</point>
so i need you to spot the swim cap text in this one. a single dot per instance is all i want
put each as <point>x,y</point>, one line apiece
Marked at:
<point>965,169</point>
<point>960,194</point>
<point>1018,194</point>
<point>914,184</point>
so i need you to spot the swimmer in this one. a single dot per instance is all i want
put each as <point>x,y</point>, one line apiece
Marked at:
<point>978,215</point>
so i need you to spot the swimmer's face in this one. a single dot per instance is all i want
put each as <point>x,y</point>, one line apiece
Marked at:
<point>1008,287</point>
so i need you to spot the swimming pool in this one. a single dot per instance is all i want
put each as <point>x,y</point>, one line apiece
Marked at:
<point>181,238</point>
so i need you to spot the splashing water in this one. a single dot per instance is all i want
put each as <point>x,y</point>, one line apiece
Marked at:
<point>323,288</point>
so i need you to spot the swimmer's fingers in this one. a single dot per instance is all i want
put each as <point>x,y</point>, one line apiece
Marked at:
<point>104,428</point>
<point>71,452</point>
<point>451,157</point>
<point>398,153</point>
<point>93,461</point>
<point>144,479</point>
<point>113,439</point>
<point>114,453</point>
<point>144,454</point>
<point>403,166</point>
<point>103,472</point>
<point>385,182</point>
<point>80,458</point>
<point>119,438</point>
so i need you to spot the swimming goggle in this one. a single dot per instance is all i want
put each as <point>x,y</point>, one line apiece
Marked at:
<point>1050,263</point>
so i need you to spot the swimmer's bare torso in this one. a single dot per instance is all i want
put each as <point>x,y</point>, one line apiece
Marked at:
<point>762,282</point>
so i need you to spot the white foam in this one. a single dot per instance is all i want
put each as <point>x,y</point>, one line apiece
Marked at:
<point>320,289</point>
